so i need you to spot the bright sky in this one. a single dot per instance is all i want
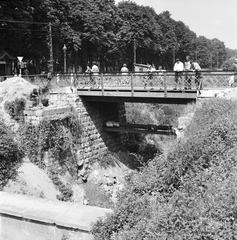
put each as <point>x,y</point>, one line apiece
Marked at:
<point>209,18</point>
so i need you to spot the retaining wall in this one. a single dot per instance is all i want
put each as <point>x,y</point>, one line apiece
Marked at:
<point>92,116</point>
<point>27,218</point>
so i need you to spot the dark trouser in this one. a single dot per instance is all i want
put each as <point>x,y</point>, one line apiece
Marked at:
<point>198,77</point>
<point>178,79</point>
<point>148,79</point>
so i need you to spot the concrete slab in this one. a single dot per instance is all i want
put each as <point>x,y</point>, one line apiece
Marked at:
<point>16,205</point>
<point>81,216</point>
<point>209,93</point>
<point>62,214</point>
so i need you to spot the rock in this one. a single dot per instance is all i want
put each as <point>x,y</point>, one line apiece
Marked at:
<point>85,202</point>
<point>80,162</point>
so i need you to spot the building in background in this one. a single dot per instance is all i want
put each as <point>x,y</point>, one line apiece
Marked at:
<point>7,64</point>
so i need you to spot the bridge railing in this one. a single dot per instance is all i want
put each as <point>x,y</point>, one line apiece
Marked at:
<point>161,80</point>
<point>164,80</point>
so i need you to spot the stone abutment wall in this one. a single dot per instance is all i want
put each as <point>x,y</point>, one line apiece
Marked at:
<point>92,116</point>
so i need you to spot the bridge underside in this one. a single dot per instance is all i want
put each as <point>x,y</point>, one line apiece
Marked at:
<point>138,95</point>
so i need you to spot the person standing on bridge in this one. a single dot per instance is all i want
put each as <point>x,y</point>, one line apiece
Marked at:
<point>198,75</point>
<point>95,72</point>
<point>188,77</point>
<point>160,72</point>
<point>149,77</point>
<point>124,71</point>
<point>234,69</point>
<point>178,69</point>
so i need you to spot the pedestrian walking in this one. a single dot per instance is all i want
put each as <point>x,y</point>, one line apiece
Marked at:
<point>124,71</point>
<point>178,69</point>
<point>160,72</point>
<point>149,77</point>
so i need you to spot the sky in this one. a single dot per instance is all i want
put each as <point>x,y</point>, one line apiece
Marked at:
<point>209,18</point>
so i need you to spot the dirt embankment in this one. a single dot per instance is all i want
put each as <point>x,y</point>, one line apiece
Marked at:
<point>32,180</point>
<point>10,89</point>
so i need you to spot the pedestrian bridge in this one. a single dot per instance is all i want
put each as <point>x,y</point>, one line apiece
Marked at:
<point>158,87</point>
<point>144,88</point>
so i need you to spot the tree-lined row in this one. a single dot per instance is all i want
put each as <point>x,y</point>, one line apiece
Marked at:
<point>102,31</point>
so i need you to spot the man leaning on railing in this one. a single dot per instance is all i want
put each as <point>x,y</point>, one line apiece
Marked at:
<point>234,69</point>
<point>198,75</point>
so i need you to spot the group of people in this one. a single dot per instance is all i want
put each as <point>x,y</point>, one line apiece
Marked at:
<point>187,67</point>
<point>93,72</point>
<point>179,68</point>
<point>150,74</point>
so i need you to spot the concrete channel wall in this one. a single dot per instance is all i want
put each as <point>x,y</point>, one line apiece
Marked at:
<point>27,218</point>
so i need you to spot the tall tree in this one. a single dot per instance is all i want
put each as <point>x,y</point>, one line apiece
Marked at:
<point>138,28</point>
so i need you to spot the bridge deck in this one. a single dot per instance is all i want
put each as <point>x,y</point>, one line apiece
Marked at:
<point>138,94</point>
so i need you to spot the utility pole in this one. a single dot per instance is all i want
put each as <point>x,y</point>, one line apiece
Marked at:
<point>134,51</point>
<point>196,52</point>
<point>211,59</point>
<point>51,48</point>
<point>173,55</point>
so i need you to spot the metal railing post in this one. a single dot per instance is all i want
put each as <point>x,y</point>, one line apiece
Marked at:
<point>132,89</point>
<point>165,85</point>
<point>102,84</point>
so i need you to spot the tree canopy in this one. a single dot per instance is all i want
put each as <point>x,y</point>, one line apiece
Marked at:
<point>101,31</point>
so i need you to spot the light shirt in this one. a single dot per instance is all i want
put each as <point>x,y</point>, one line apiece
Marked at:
<point>187,65</point>
<point>95,69</point>
<point>178,66</point>
<point>124,70</point>
<point>234,66</point>
<point>196,66</point>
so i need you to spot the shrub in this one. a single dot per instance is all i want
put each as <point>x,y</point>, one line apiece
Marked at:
<point>65,190</point>
<point>106,159</point>
<point>188,194</point>
<point>10,155</point>
<point>136,143</point>
<point>59,137</point>
<point>97,195</point>
<point>16,108</point>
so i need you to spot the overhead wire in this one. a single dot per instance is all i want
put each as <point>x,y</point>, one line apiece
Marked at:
<point>14,21</point>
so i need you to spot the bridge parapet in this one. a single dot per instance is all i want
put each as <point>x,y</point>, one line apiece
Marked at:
<point>164,79</point>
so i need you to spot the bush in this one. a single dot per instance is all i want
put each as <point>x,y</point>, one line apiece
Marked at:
<point>136,143</point>
<point>59,137</point>
<point>97,195</point>
<point>16,108</point>
<point>106,159</point>
<point>65,190</point>
<point>10,155</point>
<point>188,194</point>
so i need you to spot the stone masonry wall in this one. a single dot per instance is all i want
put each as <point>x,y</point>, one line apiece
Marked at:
<point>92,116</point>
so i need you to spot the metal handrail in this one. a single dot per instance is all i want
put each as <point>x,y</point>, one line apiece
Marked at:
<point>164,80</point>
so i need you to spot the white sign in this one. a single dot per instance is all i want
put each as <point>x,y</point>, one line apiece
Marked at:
<point>20,58</point>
